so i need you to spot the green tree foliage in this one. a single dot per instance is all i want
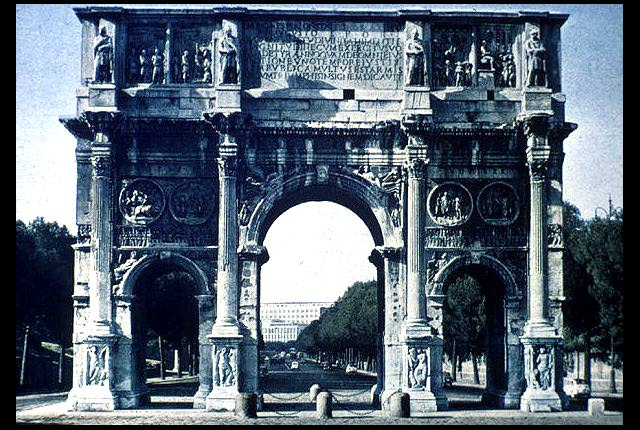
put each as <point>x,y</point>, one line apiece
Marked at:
<point>601,251</point>
<point>580,308</point>
<point>171,308</point>
<point>464,317</point>
<point>352,322</point>
<point>44,280</point>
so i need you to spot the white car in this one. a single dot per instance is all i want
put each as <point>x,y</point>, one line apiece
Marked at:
<point>577,388</point>
<point>350,369</point>
<point>295,365</point>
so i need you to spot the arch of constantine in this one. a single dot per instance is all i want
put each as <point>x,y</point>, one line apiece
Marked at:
<point>442,131</point>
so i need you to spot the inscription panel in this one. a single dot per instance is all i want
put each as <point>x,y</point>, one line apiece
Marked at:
<point>311,54</point>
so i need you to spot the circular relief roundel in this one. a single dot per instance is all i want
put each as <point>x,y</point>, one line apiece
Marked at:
<point>141,201</point>
<point>450,204</point>
<point>192,203</point>
<point>498,204</point>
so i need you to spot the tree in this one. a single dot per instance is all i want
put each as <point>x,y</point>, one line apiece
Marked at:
<point>580,308</point>
<point>44,280</point>
<point>352,321</point>
<point>601,251</point>
<point>464,321</point>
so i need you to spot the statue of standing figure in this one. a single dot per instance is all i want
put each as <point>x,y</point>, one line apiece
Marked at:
<point>186,66</point>
<point>145,67</point>
<point>158,67</point>
<point>228,58</point>
<point>543,368</point>
<point>102,53</point>
<point>415,60</point>
<point>536,52</point>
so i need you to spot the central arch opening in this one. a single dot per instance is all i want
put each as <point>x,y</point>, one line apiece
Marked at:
<point>320,303</point>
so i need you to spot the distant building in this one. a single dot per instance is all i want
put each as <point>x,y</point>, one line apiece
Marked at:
<point>282,322</point>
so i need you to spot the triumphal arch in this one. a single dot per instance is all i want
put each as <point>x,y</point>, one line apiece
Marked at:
<point>443,132</point>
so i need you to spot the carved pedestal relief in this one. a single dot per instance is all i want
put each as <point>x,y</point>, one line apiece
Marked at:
<point>225,368</point>
<point>417,368</point>
<point>450,204</point>
<point>97,372</point>
<point>141,201</point>
<point>539,367</point>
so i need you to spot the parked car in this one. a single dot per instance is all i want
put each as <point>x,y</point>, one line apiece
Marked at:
<point>577,388</point>
<point>447,380</point>
<point>350,369</point>
<point>295,365</point>
<point>326,366</point>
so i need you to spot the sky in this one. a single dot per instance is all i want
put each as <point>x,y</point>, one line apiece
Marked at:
<point>332,254</point>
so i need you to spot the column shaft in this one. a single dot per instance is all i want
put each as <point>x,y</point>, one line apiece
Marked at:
<point>415,234</point>
<point>101,226</point>
<point>537,251</point>
<point>227,293</point>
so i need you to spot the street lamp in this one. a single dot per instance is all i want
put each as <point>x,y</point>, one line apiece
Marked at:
<point>608,214</point>
<point>611,214</point>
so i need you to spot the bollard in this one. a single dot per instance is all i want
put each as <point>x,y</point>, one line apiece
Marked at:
<point>399,405</point>
<point>595,407</point>
<point>313,392</point>
<point>246,405</point>
<point>323,405</point>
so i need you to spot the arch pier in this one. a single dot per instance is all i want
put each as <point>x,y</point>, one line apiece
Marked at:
<point>443,132</point>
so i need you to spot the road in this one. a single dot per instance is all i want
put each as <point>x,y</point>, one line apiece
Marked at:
<point>286,401</point>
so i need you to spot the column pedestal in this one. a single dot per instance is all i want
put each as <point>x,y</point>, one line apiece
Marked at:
<point>95,392</point>
<point>225,358</point>
<point>540,374</point>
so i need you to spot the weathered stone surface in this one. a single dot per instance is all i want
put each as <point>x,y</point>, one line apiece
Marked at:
<point>595,407</point>
<point>324,406</point>
<point>416,122</point>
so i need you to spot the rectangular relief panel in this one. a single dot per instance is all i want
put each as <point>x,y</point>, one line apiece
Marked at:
<point>323,54</point>
<point>498,50</point>
<point>454,56</point>
<point>142,41</point>
<point>192,59</point>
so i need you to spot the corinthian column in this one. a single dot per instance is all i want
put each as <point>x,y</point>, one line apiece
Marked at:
<point>226,354</point>
<point>542,344</point>
<point>94,350</point>
<point>227,286</point>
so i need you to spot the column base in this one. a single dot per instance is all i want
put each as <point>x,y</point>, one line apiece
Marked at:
<point>540,401</point>
<point>423,402</point>
<point>502,399</point>
<point>222,399</point>
<point>92,398</point>
<point>132,399</point>
<point>200,398</point>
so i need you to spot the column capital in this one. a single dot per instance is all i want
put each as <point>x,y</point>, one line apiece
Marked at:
<point>254,252</point>
<point>102,123</point>
<point>538,162</point>
<point>235,124</point>
<point>102,166</point>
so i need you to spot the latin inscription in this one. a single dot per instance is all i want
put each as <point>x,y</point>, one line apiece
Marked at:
<point>310,54</point>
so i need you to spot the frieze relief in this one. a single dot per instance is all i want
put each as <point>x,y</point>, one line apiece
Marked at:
<point>450,204</point>
<point>192,203</point>
<point>165,235</point>
<point>498,204</point>
<point>141,201</point>
<point>485,236</point>
<point>437,263</point>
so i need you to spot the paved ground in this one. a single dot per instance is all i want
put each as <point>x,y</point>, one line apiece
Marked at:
<point>286,402</point>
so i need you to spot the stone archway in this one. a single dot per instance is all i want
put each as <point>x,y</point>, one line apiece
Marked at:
<point>503,361</point>
<point>365,202</point>
<point>129,353</point>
